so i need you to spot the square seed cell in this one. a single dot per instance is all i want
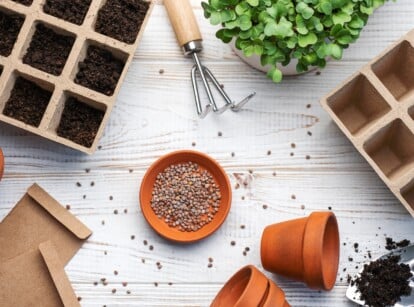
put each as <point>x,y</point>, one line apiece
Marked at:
<point>100,70</point>
<point>122,19</point>
<point>80,122</point>
<point>358,104</point>
<point>411,112</point>
<point>10,25</point>
<point>408,194</point>
<point>396,71</point>
<point>48,50</point>
<point>24,2</point>
<point>392,149</point>
<point>73,11</point>
<point>27,102</point>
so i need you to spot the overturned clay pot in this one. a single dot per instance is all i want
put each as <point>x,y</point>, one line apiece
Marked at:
<point>305,249</point>
<point>1,163</point>
<point>249,288</point>
<point>275,297</point>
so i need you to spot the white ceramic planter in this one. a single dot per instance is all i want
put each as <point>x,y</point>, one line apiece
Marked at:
<point>254,61</point>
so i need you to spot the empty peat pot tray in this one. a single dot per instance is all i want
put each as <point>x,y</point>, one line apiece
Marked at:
<point>375,110</point>
<point>62,64</point>
<point>186,183</point>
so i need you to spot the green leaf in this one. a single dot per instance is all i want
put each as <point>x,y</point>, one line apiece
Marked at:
<point>253,2</point>
<point>245,22</point>
<point>341,18</point>
<point>335,51</point>
<point>215,18</point>
<point>275,74</point>
<point>303,9</point>
<point>281,29</point>
<point>308,39</point>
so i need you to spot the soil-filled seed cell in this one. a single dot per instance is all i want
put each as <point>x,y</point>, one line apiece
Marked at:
<point>392,149</point>
<point>396,71</point>
<point>48,50</point>
<point>73,11</point>
<point>24,2</point>
<point>358,104</point>
<point>27,102</point>
<point>411,112</point>
<point>79,122</point>
<point>121,19</point>
<point>10,25</point>
<point>100,71</point>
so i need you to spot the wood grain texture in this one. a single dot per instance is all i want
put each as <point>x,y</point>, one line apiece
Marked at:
<point>155,114</point>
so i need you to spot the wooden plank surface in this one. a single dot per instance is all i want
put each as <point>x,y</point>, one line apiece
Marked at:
<point>155,114</point>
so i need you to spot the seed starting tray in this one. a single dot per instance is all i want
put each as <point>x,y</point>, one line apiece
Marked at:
<point>375,110</point>
<point>62,86</point>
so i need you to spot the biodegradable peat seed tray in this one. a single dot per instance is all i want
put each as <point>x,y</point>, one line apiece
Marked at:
<point>375,110</point>
<point>62,63</point>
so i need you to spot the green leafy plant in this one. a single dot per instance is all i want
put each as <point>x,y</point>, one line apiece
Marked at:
<point>281,30</point>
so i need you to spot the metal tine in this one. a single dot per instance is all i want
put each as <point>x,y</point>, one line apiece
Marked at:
<point>202,113</point>
<point>238,106</point>
<point>205,81</point>
<point>222,92</point>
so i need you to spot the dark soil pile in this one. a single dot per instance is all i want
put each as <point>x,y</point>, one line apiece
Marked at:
<point>79,123</point>
<point>122,19</point>
<point>24,2</point>
<point>391,244</point>
<point>27,102</point>
<point>10,25</point>
<point>73,11</point>
<point>48,51</point>
<point>383,282</point>
<point>100,71</point>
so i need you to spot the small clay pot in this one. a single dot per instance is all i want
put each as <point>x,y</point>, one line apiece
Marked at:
<point>246,288</point>
<point>305,249</point>
<point>1,163</point>
<point>275,297</point>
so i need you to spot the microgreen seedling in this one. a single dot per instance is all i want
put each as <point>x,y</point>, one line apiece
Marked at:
<point>278,31</point>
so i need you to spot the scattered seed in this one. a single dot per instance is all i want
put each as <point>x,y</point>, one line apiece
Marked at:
<point>170,283</point>
<point>193,144</point>
<point>242,226</point>
<point>274,174</point>
<point>87,170</point>
<point>115,211</point>
<point>132,237</point>
<point>329,208</point>
<point>293,196</point>
<point>128,292</point>
<point>308,106</point>
<point>269,152</point>
<point>210,265</point>
<point>292,154</point>
<point>302,207</point>
<point>308,157</point>
<point>131,170</point>
<point>115,272</point>
<point>293,145</point>
<point>103,222</point>
<point>244,253</point>
<point>143,260</point>
<point>161,71</point>
<point>78,184</point>
<point>68,207</point>
<point>210,259</point>
<point>151,247</point>
<point>145,242</point>
<point>114,290</point>
<point>95,283</point>
<point>220,133</point>
<point>92,184</point>
<point>309,133</point>
<point>84,196</point>
<point>233,154</point>
<point>155,284</point>
<point>111,197</point>
<point>124,284</point>
<point>232,243</point>
<point>264,207</point>
<point>79,299</point>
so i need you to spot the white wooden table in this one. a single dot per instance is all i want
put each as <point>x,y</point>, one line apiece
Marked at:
<point>155,114</point>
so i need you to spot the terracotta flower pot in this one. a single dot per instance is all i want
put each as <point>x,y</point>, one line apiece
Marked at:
<point>275,297</point>
<point>246,288</point>
<point>305,249</point>
<point>1,163</point>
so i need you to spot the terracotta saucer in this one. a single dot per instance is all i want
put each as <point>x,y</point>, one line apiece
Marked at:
<point>1,163</point>
<point>205,162</point>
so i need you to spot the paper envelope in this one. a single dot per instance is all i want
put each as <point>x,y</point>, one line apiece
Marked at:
<point>38,218</point>
<point>36,278</point>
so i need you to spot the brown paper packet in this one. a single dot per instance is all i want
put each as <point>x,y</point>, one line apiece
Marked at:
<point>37,218</point>
<point>36,278</point>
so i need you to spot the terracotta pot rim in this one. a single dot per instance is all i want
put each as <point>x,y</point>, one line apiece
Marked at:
<point>320,276</point>
<point>256,286</point>
<point>276,297</point>
<point>204,161</point>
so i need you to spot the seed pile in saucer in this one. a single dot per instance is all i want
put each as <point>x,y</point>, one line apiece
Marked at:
<point>185,196</point>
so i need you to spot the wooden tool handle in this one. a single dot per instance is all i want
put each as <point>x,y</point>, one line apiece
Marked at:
<point>183,21</point>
